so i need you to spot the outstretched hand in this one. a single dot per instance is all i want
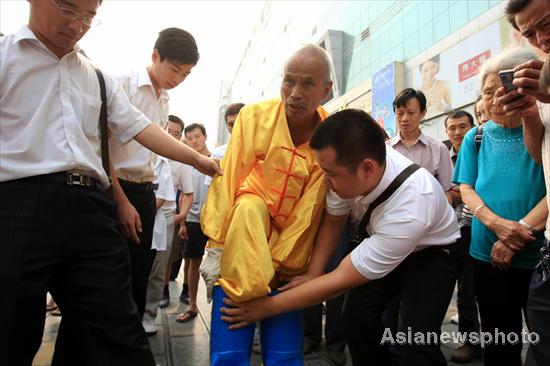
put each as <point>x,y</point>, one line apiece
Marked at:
<point>209,166</point>
<point>242,314</point>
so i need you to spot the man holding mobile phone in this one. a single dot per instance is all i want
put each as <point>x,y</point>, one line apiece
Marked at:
<point>532,19</point>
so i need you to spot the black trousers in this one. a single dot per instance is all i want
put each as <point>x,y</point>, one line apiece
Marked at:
<point>141,254</point>
<point>466,303</point>
<point>65,239</point>
<point>502,297</point>
<point>538,312</point>
<point>426,280</point>
<point>313,317</point>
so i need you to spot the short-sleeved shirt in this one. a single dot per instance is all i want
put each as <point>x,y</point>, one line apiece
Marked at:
<point>545,115</point>
<point>50,111</point>
<point>199,196</point>
<point>182,176</point>
<point>430,154</point>
<point>218,153</point>
<point>165,188</point>
<point>132,161</point>
<point>508,181</point>
<point>415,217</point>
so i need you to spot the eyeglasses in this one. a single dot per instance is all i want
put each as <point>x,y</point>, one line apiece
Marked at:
<point>74,15</point>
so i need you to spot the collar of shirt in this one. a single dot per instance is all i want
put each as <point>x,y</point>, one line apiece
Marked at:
<point>453,152</point>
<point>397,139</point>
<point>144,80</point>
<point>26,33</point>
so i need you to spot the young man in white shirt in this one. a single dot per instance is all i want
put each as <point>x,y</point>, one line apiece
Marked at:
<point>408,247</point>
<point>58,230</point>
<point>174,56</point>
<point>190,228</point>
<point>457,124</point>
<point>163,232</point>
<point>182,176</point>
<point>230,116</point>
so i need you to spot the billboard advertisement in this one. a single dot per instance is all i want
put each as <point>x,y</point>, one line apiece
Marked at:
<point>449,80</point>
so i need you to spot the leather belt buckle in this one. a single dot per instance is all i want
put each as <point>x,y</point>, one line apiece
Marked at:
<point>76,179</point>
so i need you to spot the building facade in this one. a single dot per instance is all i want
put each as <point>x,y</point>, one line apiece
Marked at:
<point>378,48</point>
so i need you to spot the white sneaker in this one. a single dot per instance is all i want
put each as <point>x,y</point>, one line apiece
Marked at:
<point>149,326</point>
<point>454,319</point>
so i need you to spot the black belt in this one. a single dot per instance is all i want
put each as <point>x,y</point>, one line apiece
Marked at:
<point>68,178</point>
<point>143,187</point>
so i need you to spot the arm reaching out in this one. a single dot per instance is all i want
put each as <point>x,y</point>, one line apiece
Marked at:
<point>159,141</point>
<point>313,292</point>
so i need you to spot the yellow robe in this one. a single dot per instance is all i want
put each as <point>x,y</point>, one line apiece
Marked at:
<point>265,209</point>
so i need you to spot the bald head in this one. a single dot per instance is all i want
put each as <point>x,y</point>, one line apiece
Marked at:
<point>313,55</point>
<point>306,83</point>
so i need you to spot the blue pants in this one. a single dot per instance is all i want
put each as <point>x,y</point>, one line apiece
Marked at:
<point>281,337</point>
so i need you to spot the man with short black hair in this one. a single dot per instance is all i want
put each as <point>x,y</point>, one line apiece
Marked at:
<point>230,116</point>
<point>410,108</point>
<point>405,245</point>
<point>532,19</point>
<point>190,227</point>
<point>57,227</point>
<point>174,56</point>
<point>457,123</point>
<point>182,176</point>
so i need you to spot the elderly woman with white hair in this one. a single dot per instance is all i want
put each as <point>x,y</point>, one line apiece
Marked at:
<point>504,187</point>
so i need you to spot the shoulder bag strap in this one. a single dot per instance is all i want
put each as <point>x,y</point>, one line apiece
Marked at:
<point>103,123</point>
<point>396,183</point>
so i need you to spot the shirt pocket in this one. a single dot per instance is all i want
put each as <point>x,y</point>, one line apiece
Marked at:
<point>90,109</point>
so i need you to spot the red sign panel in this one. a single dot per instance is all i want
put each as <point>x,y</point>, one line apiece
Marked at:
<point>471,67</point>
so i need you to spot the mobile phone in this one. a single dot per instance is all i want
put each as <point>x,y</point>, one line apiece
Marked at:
<point>507,78</point>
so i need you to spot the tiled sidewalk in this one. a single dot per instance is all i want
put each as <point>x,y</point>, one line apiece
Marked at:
<point>188,343</point>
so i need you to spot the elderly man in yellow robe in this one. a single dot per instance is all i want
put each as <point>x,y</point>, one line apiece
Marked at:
<point>263,213</point>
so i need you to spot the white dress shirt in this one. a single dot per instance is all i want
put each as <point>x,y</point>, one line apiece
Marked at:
<point>415,217</point>
<point>164,191</point>
<point>544,110</point>
<point>49,111</point>
<point>182,176</point>
<point>132,161</point>
<point>165,188</point>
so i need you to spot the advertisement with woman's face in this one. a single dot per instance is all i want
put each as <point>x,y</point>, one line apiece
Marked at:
<point>449,80</point>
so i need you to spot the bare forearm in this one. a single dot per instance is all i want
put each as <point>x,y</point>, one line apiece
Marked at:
<point>186,200</point>
<point>533,132</point>
<point>118,192</point>
<point>159,141</point>
<point>318,290</point>
<point>326,241</point>
<point>537,216</point>
<point>475,203</point>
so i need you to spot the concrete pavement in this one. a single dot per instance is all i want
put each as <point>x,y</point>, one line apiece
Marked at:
<point>188,343</point>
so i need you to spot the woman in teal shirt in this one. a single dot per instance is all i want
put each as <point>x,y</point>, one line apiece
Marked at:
<point>505,189</point>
